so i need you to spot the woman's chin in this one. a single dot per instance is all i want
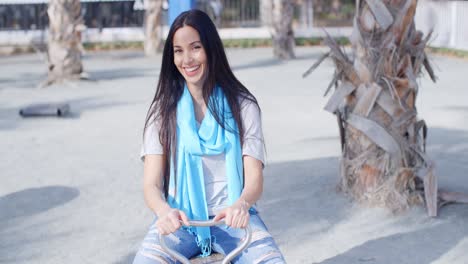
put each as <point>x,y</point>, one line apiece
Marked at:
<point>196,80</point>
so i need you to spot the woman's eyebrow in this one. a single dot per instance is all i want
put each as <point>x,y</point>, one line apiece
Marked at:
<point>192,43</point>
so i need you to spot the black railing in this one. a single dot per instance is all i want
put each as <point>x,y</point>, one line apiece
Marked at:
<point>95,15</point>
<point>226,13</point>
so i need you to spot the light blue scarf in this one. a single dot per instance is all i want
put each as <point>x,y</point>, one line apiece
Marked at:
<point>192,144</point>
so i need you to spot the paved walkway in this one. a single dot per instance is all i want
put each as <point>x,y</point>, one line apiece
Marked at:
<point>71,188</point>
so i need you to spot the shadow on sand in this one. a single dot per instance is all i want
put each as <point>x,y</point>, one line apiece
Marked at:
<point>120,73</point>
<point>272,61</point>
<point>303,209</point>
<point>34,200</point>
<point>300,194</point>
<point>16,207</point>
<point>128,259</point>
<point>10,118</point>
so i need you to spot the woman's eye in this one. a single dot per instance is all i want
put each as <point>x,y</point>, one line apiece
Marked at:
<point>177,51</point>
<point>197,47</point>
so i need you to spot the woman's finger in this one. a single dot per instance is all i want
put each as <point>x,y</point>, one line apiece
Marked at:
<point>174,223</point>
<point>240,223</point>
<point>228,218</point>
<point>237,218</point>
<point>184,218</point>
<point>245,222</point>
<point>219,216</point>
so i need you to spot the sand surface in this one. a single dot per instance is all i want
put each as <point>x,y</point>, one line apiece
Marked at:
<point>71,188</point>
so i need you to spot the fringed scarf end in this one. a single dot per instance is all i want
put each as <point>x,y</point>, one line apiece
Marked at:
<point>205,247</point>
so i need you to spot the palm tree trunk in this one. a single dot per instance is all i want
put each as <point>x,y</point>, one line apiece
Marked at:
<point>282,32</point>
<point>64,40</point>
<point>383,140</point>
<point>266,13</point>
<point>308,13</point>
<point>153,31</point>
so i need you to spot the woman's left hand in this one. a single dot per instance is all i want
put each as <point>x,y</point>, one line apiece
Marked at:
<point>236,215</point>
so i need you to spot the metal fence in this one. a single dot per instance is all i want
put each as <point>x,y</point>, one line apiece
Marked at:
<point>23,17</point>
<point>232,13</point>
<point>32,14</point>
<point>447,19</point>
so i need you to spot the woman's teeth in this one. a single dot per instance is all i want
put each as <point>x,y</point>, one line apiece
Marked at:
<point>192,69</point>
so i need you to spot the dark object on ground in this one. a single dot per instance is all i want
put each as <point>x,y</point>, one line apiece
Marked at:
<point>38,110</point>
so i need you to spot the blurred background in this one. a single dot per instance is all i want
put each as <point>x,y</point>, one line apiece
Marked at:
<point>24,23</point>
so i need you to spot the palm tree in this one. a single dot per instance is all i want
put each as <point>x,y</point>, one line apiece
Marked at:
<point>64,40</point>
<point>383,141</point>
<point>278,15</point>
<point>153,31</point>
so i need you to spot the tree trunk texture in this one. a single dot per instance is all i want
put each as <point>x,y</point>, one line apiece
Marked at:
<point>153,30</point>
<point>64,40</point>
<point>266,13</point>
<point>336,6</point>
<point>383,141</point>
<point>306,8</point>
<point>282,32</point>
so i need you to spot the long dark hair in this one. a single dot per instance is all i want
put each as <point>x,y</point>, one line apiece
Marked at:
<point>171,84</point>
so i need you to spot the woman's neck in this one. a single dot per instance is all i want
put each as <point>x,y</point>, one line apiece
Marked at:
<point>197,93</point>
<point>198,101</point>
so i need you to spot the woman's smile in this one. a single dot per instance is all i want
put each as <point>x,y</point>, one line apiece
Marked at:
<point>192,71</point>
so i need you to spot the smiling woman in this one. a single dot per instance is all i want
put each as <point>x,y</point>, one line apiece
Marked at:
<point>203,152</point>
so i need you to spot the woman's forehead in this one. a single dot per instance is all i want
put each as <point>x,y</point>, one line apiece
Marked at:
<point>185,36</point>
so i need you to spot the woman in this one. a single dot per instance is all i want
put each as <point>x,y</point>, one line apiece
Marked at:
<point>203,151</point>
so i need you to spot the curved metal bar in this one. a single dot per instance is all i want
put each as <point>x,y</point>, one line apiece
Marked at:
<point>226,260</point>
<point>245,243</point>
<point>171,252</point>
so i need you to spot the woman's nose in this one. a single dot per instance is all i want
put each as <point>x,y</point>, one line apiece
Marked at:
<point>188,58</point>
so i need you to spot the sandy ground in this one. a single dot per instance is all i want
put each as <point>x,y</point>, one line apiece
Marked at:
<point>71,188</point>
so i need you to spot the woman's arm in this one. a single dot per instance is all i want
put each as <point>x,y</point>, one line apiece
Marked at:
<point>237,215</point>
<point>153,184</point>
<point>253,180</point>
<point>168,218</point>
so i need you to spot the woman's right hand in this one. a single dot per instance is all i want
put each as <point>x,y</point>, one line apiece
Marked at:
<point>171,221</point>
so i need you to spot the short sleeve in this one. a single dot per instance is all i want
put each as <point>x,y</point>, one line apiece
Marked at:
<point>151,143</point>
<point>254,144</point>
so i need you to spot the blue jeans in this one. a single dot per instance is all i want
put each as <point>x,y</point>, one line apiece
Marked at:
<point>262,248</point>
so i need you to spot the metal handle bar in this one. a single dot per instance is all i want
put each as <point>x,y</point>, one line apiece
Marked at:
<point>226,260</point>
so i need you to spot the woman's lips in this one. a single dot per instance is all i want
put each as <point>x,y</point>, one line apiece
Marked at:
<point>191,71</point>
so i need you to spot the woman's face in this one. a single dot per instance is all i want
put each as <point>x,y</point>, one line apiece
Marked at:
<point>190,56</point>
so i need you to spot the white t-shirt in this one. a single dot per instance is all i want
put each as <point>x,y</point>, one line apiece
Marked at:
<point>214,169</point>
